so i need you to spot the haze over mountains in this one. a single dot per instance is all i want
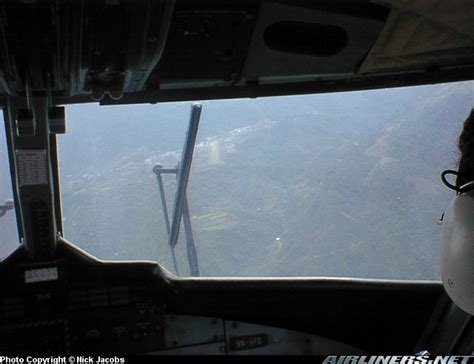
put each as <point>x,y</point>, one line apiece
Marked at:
<point>8,229</point>
<point>343,185</point>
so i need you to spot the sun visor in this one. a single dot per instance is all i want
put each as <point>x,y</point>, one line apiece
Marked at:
<point>422,35</point>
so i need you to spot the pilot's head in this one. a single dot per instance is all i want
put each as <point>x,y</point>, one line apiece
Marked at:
<point>466,147</point>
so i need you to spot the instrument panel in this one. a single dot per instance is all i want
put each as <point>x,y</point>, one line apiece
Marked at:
<point>212,336</point>
<point>76,304</point>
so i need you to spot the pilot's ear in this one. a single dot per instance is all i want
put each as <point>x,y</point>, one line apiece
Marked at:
<point>457,251</point>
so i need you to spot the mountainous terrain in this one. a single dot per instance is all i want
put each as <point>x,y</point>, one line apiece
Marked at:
<point>343,185</point>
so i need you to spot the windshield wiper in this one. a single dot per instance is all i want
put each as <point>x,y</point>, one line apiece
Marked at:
<point>180,205</point>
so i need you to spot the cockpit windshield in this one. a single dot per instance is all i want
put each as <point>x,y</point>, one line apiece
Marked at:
<point>8,227</point>
<point>333,185</point>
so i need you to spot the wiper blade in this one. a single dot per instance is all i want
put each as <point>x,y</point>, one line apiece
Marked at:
<point>180,206</point>
<point>184,168</point>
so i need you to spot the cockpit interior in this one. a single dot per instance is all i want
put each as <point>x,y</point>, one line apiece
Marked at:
<point>230,177</point>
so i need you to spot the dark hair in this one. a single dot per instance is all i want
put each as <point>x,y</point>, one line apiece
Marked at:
<point>466,147</point>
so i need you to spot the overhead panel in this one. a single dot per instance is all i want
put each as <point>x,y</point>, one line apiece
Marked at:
<point>304,41</point>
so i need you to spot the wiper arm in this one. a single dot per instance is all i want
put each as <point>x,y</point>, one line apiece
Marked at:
<point>180,206</point>
<point>159,170</point>
<point>184,168</point>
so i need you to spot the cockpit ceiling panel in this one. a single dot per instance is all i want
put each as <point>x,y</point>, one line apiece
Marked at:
<point>423,34</point>
<point>311,42</point>
<point>169,50</point>
<point>454,14</point>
